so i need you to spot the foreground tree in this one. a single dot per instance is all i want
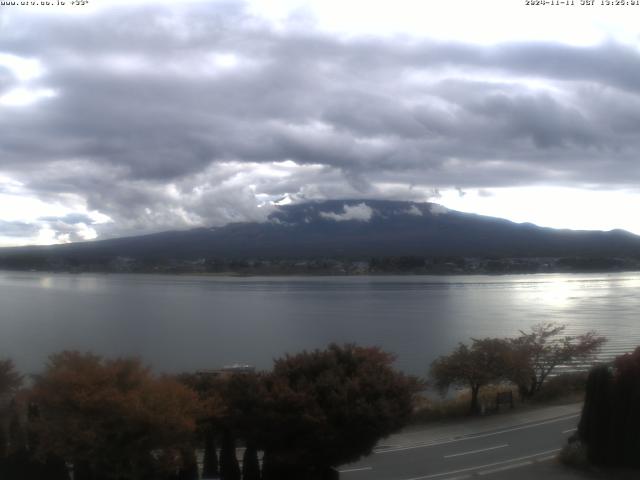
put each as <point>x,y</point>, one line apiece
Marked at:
<point>475,366</point>
<point>111,418</point>
<point>536,353</point>
<point>10,382</point>
<point>208,424</point>
<point>329,407</point>
<point>10,379</point>
<point>210,467</point>
<point>229,467</point>
<point>189,467</point>
<point>243,417</point>
<point>610,419</point>
<point>250,463</point>
<point>595,421</point>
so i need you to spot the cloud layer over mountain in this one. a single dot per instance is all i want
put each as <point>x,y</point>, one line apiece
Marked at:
<point>152,117</point>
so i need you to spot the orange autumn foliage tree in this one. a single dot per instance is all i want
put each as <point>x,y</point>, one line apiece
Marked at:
<point>112,418</point>
<point>10,379</point>
<point>10,382</point>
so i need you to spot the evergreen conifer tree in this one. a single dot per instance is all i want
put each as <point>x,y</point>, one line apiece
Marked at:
<point>82,471</point>
<point>189,468</point>
<point>210,468</point>
<point>250,464</point>
<point>594,426</point>
<point>229,468</point>
<point>4,442</point>
<point>55,468</point>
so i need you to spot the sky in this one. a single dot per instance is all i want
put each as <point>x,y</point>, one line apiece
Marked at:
<point>128,117</point>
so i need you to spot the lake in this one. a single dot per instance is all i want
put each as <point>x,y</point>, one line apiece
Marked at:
<point>180,323</point>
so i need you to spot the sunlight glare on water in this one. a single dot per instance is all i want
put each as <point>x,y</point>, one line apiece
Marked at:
<point>178,323</point>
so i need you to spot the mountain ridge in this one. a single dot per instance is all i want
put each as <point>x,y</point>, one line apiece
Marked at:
<point>354,229</point>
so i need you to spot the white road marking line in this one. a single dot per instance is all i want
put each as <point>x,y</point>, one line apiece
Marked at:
<point>506,467</point>
<point>544,459</point>
<point>569,430</point>
<point>480,467</point>
<point>517,465</point>
<point>348,470</point>
<point>472,437</point>
<point>412,447</point>
<point>476,451</point>
<point>523,427</point>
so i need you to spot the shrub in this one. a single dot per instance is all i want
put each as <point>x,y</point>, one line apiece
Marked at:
<point>563,386</point>
<point>574,455</point>
<point>431,410</point>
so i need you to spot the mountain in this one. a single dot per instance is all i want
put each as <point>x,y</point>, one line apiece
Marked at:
<point>354,229</point>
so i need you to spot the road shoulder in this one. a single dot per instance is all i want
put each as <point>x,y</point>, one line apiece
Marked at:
<point>472,426</point>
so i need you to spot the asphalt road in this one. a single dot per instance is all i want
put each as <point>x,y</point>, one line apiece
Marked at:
<point>488,454</point>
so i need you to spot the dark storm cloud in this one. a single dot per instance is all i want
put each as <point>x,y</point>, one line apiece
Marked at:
<point>17,229</point>
<point>71,219</point>
<point>168,117</point>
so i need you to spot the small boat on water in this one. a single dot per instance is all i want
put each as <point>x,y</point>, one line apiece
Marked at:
<point>231,369</point>
<point>238,368</point>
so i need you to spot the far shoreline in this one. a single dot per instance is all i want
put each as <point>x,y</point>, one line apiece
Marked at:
<point>233,274</point>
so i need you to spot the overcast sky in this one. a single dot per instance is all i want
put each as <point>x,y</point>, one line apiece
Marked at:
<point>120,118</point>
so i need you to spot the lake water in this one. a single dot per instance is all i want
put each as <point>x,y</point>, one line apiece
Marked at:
<point>178,323</point>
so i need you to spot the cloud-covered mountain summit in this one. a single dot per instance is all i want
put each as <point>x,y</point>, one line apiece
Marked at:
<point>354,229</point>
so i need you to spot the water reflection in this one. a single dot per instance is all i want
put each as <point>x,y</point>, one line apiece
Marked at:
<point>46,282</point>
<point>188,322</point>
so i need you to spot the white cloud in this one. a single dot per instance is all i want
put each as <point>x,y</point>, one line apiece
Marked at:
<point>438,209</point>
<point>487,22</point>
<point>19,97</point>
<point>414,211</point>
<point>361,212</point>
<point>23,68</point>
<point>65,219</point>
<point>555,207</point>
